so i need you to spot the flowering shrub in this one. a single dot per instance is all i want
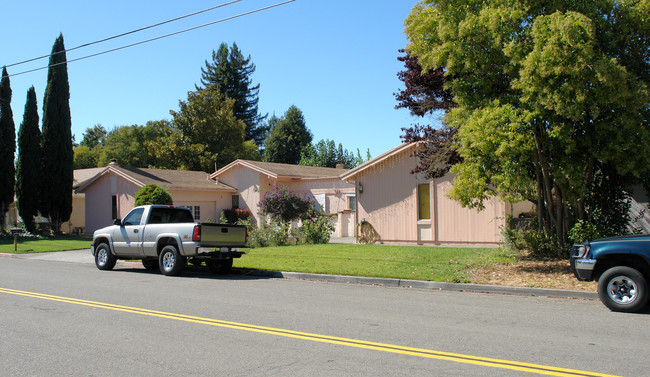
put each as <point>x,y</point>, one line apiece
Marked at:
<point>283,205</point>
<point>233,215</point>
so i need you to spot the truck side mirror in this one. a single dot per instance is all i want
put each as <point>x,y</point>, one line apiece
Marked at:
<point>117,222</point>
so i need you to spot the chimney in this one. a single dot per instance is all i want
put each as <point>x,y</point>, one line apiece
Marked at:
<point>113,162</point>
<point>340,166</point>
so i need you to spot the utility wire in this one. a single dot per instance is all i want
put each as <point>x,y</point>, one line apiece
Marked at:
<point>125,34</point>
<point>156,38</point>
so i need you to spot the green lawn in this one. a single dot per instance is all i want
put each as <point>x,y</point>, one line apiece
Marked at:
<point>33,245</point>
<point>451,264</point>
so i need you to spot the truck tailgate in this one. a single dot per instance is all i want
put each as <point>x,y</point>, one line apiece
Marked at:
<point>222,235</point>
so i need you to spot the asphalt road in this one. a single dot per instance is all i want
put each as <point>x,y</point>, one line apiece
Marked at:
<point>67,318</point>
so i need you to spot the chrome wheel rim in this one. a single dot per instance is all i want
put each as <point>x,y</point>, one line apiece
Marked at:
<point>102,256</point>
<point>622,290</point>
<point>168,261</point>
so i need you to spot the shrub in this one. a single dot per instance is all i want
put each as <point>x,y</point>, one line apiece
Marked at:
<point>524,235</point>
<point>583,231</point>
<point>274,234</point>
<point>283,205</point>
<point>233,215</point>
<point>153,194</point>
<point>316,230</point>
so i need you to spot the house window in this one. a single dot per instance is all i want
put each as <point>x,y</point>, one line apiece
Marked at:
<point>197,212</point>
<point>424,202</point>
<point>114,207</point>
<point>235,201</point>
<point>352,202</point>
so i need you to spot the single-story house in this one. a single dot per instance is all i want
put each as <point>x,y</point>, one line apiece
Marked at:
<point>252,179</point>
<point>407,208</point>
<point>110,193</point>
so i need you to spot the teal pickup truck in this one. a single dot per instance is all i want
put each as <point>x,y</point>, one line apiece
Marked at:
<point>621,265</point>
<point>165,237</point>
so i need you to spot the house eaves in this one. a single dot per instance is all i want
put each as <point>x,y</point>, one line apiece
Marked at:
<point>352,173</point>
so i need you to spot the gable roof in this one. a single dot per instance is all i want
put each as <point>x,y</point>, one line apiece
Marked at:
<point>280,171</point>
<point>352,173</point>
<point>169,179</point>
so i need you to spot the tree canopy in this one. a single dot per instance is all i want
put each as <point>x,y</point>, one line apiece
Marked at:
<point>28,166</point>
<point>549,95</point>
<point>326,154</point>
<point>7,147</point>
<point>230,72</point>
<point>288,139</point>
<point>57,140</point>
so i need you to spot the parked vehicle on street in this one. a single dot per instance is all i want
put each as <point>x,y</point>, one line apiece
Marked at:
<point>165,237</point>
<point>621,265</point>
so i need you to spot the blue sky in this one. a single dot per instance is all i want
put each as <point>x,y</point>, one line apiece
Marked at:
<point>336,60</point>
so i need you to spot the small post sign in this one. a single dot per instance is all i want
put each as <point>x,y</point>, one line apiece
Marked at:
<point>16,232</point>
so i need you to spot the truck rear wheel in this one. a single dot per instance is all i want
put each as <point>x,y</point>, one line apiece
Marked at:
<point>170,261</point>
<point>104,259</point>
<point>219,266</point>
<point>623,289</point>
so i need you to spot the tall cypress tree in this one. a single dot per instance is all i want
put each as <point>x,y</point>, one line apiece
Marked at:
<point>57,141</point>
<point>230,71</point>
<point>28,167</point>
<point>7,148</point>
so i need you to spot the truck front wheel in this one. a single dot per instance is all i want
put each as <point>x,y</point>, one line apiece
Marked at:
<point>104,260</point>
<point>623,289</point>
<point>170,261</point>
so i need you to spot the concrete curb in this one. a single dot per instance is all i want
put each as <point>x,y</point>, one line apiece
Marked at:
<point>83,256</point>
<point>419,284</point>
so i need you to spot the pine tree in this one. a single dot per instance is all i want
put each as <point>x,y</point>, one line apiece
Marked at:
<point>7,148</point>
<point>57,141</point>
<point>28,173</point>
<point>230,72</point>
<point>288,139</point>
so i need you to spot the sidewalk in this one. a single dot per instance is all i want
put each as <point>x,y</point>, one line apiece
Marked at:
<point>84,256</point>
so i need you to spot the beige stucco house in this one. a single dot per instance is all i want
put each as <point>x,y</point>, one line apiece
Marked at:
<point>253,178</point>
<point>110,193</point>
<point>406,208</point>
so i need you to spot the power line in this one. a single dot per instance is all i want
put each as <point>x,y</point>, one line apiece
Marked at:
<point>156,38</point>
<point>125,34</point>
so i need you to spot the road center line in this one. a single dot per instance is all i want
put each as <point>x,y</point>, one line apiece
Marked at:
<point>419,352</point>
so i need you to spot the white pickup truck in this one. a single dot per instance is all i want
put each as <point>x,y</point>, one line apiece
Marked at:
<point>165,237</point>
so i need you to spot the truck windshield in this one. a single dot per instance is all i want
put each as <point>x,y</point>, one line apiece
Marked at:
<point>170,215</point>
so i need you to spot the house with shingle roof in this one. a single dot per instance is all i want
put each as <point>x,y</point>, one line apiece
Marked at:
<point>252,179</point>
<point>109,193</point>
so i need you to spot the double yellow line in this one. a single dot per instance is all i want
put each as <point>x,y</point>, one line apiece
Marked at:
<point>460,358</point>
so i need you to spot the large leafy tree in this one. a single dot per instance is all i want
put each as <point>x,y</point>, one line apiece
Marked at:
<point>230,72</point>
<point>203,133</point>
<point>550,95</point>
<point>28,166</point>
<point>94,136</point>
<point>7,148</point>
<point>56,200</point>
<point>126,145</point>
<point>288,139</point>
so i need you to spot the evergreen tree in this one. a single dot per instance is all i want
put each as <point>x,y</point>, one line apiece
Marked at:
<point>7,148</point>
<point>57,141</point>
<point>230,72</point>
<point>28,173</point>
<point>288,139</point>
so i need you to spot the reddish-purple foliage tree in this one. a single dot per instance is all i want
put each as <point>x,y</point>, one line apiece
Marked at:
<point>424,94</point>
<point>282,204</point>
